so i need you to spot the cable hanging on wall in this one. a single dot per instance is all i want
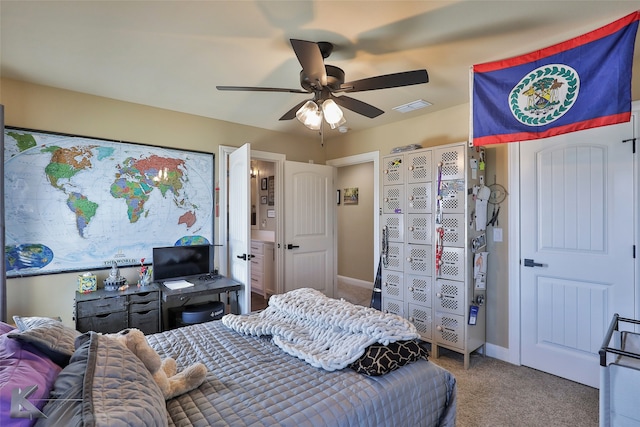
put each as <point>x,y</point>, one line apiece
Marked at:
<point>497,196</point>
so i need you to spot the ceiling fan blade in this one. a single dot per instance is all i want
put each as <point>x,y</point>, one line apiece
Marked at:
<point>260,89</point>
<point>406,78</point>
<point>310,57</point>
<point>359,107</point>
<point>291,114</point>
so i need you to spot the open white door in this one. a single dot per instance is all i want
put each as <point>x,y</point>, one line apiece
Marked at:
<point>577,247</point>
<point>309,227</point>
<point>239,222</point>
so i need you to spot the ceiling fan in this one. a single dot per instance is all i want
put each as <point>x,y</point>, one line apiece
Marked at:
<point>323,81</point>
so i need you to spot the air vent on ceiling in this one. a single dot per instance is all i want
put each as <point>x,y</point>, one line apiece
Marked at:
<point>411,106</point>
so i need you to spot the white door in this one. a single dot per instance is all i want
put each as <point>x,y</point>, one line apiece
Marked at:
<point>577,245</point>
<point>239,222</point>
<point>309,227</point>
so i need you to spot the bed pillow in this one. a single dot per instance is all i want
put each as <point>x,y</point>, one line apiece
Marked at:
<point>379,359</point>
<point>50,336</point>
<point>104,383</point>
<point>23,366</point>
<point>5,327</point>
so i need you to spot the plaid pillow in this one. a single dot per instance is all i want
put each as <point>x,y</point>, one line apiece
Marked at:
<point>380,359</point>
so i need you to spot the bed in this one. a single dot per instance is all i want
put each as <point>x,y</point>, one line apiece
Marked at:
<point>250,382</point>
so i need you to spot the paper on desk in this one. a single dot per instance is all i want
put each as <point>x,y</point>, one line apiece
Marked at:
<point>177,284</point>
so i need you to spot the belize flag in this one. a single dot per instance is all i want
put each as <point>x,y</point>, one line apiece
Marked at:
<point>581,83</point>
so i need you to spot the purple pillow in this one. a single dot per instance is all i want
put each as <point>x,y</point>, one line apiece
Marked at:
<point>21,366</point>
<point>5,327</point>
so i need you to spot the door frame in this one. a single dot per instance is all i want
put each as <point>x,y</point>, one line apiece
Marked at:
<point>222,235</point>
<point>372,156</point>
<point>513,353</point>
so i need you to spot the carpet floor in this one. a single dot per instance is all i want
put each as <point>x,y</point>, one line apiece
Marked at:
<point>496,393</point>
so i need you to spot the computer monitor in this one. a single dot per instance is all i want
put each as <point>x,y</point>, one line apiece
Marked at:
<point>181,262</point>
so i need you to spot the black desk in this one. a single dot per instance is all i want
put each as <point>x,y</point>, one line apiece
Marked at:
<point>202,289</point>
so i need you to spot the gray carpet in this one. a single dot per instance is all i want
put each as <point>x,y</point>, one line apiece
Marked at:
<point>354,294</point>
<point>496,393</point>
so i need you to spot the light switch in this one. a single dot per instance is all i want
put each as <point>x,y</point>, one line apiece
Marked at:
<point>497,234</point>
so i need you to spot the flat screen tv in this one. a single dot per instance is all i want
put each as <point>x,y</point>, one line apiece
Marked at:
<point>181,262</point>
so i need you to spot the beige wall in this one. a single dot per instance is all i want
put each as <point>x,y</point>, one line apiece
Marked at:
<point>355,224</point>
<point>56,110</point>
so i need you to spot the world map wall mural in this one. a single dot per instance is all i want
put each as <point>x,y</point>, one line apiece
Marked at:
<point>75,203</point>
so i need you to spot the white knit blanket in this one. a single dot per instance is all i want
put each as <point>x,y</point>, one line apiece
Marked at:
<point>325,332</point>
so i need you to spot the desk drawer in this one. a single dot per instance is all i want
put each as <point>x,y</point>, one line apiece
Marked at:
<point>143,297</point>
<point>102,306</point>
<point>136,307</point>
<point>147,321</point>
<point>105,323</point>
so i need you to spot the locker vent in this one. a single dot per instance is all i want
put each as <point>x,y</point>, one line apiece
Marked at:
<point>419,297</point>
<point>420,201</point>
<point>449,323</point>
<point>449,290</point>
<point>449,336</point>
<point>420,170</point>
<point>393,228</point>
<point>393,171</point>
<point>393,198</point>
<point>393,307</point>
<point>450,163</point>
<point>393,279</point>
<point>450,203</point>
<point>392,290</point>
<point>449,303</point>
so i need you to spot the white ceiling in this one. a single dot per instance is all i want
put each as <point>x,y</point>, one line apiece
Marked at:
<point>172,54</point>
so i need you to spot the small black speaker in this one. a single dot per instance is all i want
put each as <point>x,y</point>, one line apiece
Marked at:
<point>199,313</point>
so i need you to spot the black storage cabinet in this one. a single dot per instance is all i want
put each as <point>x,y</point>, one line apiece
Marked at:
<point>112,311</point>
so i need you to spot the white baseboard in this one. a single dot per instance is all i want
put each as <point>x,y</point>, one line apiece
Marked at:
<point>355,282</point>
<point>500,353</point>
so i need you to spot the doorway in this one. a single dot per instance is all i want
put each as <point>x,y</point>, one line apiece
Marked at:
<point>222,255</point>
<point>349,172</point>
<point>263,232</point>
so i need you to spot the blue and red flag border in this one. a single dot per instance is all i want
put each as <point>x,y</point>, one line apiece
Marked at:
<point>536,56</point>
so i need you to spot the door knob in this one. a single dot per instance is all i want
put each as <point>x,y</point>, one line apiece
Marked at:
<point>290,246</point>
<point>531,263</point>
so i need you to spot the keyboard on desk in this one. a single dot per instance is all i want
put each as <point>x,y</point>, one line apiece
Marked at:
<point>209,277</point>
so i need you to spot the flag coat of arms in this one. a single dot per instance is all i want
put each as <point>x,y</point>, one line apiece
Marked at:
<point>578,84</point>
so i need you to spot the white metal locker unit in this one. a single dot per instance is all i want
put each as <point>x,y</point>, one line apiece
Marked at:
<point>427,227</point>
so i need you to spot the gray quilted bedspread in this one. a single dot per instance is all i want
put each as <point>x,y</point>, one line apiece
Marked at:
<point>251,382</point>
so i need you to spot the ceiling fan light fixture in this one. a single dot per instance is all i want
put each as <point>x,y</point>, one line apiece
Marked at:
<point>310,115</point>
<point>333,114</point>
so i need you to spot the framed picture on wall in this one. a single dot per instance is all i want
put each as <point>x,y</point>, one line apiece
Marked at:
<point>271,191</point>
<point>263,200</point>
<point>351,196</point>
<point>263,183</point>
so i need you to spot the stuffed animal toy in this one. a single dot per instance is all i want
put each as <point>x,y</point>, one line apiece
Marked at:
<point>164,372</point>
